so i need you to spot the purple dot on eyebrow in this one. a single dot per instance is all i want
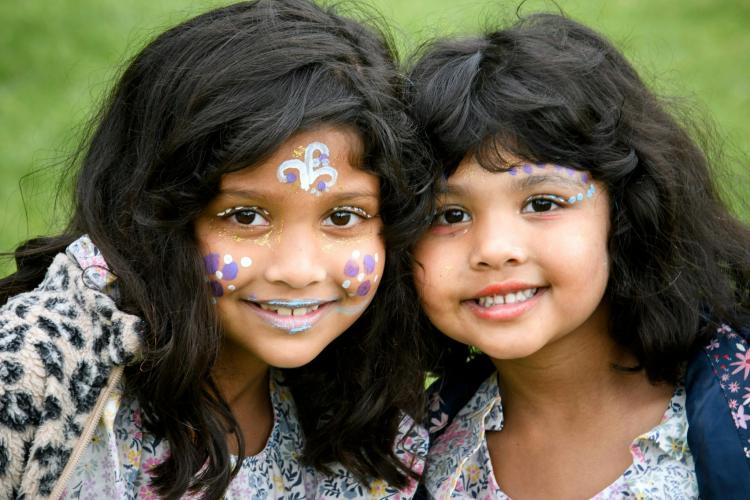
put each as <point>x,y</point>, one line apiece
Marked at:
<point>527,168</point>
<point>364,288</point>
<point>216,289</point>
<point>512,171</point>
<point>229,271</point>
<point>212,262</point>
<point>323,157</point>
<point>557,167</point>
<point>290,177</point>
<point>585,178</point>
<point>570,171</point>
<point>321,186</point>
<point>369,263</point>
<point>351,268</point>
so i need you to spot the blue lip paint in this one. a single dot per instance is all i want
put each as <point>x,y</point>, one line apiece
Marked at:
<point>294,304</point>
<point>299,329</point>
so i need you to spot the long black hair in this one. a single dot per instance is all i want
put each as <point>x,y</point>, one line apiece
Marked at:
<point>215,94</point>
<point>548,89</point>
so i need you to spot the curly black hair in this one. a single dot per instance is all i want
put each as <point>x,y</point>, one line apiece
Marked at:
<point>550,90</point>
<point>216,94</point>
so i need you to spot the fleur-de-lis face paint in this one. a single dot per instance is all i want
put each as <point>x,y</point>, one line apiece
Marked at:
<point>276,259</point>
<point>313,172</point>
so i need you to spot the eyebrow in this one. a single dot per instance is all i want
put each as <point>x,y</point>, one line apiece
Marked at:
<point>519,183</point>
<point>527,182</point>
<point>259,195</point>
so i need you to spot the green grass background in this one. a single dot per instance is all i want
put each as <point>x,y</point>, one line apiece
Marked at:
<point>58,58</point>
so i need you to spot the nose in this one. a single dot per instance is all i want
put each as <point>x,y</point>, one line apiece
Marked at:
<point>498,244</point>
<point>295,260</point>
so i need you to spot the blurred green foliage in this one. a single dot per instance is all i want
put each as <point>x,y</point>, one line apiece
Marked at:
<point>59,58</point>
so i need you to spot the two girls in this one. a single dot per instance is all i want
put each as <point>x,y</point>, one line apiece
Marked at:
<point>580,244</point>
<point>208,323</point>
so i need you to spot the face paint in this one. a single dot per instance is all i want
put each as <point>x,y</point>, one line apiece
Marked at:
<point>309,170</point>
<point>228,272</point>
<point>359,270</point>
<point>528,169</point>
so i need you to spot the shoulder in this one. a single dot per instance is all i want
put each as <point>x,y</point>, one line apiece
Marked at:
<point>718,411</point>
<point>58,345</point>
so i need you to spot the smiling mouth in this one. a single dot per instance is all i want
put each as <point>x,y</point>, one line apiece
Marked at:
<point>293,316</point>
<point>508,298</point>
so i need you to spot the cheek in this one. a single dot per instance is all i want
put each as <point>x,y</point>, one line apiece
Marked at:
<point>360,271</point>
<point>226,268</point>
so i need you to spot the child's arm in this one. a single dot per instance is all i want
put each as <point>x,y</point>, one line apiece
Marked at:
<point>58,346</point>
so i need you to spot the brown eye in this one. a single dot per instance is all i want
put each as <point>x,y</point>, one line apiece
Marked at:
<point>340,218</point>
<point>346,217</point>
<point>541,205</point>
<point>452,216</point>
<point>544,203</point>
<point>245,217</point>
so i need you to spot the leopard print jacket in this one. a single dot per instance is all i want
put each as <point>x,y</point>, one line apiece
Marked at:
<point>60,346</point>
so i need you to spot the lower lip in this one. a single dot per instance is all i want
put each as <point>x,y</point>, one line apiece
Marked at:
<point>504,312</point>
<point>291,324</point>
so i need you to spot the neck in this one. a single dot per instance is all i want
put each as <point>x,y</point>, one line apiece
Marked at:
<point>570,376</point>
<point>244,385</point>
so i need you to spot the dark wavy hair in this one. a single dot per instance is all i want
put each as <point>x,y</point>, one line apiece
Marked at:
<point>215,94</point>
<point>548,89</point>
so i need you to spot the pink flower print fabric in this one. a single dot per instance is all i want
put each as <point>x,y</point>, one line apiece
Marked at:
<point>459,465</point>
<point>122,453</point>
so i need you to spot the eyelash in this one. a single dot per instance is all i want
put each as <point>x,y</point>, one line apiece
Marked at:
<point>441,213</point>
<point>348,209</point>
<point>557,201</point>
<point>231,212</point>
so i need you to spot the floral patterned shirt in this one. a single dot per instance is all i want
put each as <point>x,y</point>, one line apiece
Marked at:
<point>117,462</point>
<point>459,465</point>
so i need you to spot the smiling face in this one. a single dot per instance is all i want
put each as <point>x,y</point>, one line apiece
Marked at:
<point>517,260</point>
<point>292,248</point>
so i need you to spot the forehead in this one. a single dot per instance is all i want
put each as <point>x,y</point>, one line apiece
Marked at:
<point>344,155</point>
<point>517,176</point>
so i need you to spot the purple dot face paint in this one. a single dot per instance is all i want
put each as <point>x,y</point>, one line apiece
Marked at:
<point>212,263</point>
<point>364,288</point>
<point>229,271</point>
<point>362,274</point>
<point>527,169</point>
<point>369,263</point>
<point>216,289</point>
<point>351,268</point>
<point>290,178</point>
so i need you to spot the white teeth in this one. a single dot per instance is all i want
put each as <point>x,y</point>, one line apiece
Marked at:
<point>286,311</point>
<point>510,298</point>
